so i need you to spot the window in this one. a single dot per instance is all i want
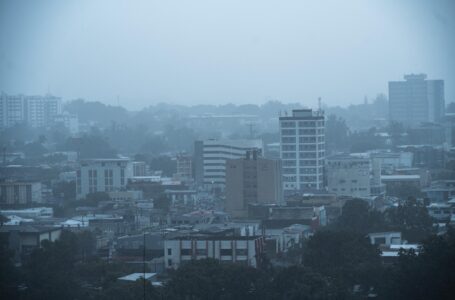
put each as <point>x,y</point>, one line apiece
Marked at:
<point>379,241</point>
<point>169,251</point>
<point>241,251</point>
<point>185,252</point>
<point>169,262</point>
<point>201,251</point>
<point>226,252</point>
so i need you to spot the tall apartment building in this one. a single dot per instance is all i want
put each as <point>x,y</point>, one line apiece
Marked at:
<point>302,149</point>
<point>211,156</point>
<point>252,180</point>
<point>102,175</point>
<point>41,110</point>
<point>12,110</point>
<point>416,100</point>
<point>37,111</point>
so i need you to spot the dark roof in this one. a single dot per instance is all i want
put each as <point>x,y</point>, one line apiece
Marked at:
<point>28,228</point>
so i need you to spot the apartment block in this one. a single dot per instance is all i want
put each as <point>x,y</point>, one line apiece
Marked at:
<point>302,149</point>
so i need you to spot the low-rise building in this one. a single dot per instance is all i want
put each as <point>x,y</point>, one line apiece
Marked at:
<point>102,175</point>
<point>244,250</point>
<point>440,190</point>
<point>33,212</point>
<point>23,239</point>
<point>20,193</point>
<point>385,239</point>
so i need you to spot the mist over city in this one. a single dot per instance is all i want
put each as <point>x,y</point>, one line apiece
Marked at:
<point>227,149</point>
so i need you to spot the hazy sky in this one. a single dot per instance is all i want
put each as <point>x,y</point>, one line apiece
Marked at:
<point>245,51</point>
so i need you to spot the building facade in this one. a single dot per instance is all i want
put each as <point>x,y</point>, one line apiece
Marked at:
<point>184,167</point>
<point>69,121</point>
<point>349,176</point>
<point>102,175</point>
<point>244,250</point>
<point>211,156</point>
<point>302,149</point>
<point>36,111</point>
<point>12,110</point>
<point>416,100</point>
<point>252,180</point>
<point>12,193</point>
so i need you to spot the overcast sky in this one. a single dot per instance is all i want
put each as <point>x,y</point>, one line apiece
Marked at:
<point>237,51</point>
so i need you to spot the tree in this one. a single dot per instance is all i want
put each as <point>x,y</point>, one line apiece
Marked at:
<point>9,277</point>
<point>425,275</point>
<point>89,146</point>
<point>337,133</point>
<point>209,279</point>
<point>347,258</point>
<point>297,282</point>
<point>50,270</point>
<point>357,216</point>
<point>65,190</point>
<point>162,202</point>
<point>412,219</point>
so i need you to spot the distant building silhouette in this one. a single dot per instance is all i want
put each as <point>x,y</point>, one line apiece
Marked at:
<point>36,111</point>
<point>416,100</point>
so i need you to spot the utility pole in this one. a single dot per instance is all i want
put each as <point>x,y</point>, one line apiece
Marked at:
<point>144,265</point>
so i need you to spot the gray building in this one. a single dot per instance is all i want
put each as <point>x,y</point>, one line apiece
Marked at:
<point>302,149</point>
<point>210,158</point>
<point>252,180</point>
<point>102,175</point>
<point>416,100</point>
<point>36,111</point>
<point>349,176</point>
<point>12,193</point>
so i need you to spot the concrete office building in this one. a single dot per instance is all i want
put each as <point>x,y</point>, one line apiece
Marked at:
<point>252,180</point>
<point>349,176</point>
<point>416,100</point>
<point>102,175</point>
<point>211,155</point>
<point>12,193</point>
<point>244,250</point>
<point>302,149</point>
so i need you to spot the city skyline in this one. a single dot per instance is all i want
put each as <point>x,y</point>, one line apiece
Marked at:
<point>205,53</point>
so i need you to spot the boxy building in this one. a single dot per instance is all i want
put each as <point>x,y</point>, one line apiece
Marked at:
<point>244,250</point>
<point>252,180</point>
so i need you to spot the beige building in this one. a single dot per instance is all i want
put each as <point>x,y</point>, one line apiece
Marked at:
<point>252,180</point>
<point>349,176</point>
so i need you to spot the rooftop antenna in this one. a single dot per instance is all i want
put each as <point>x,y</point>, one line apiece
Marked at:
<point>118,100</point>
<point>319,104</point>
